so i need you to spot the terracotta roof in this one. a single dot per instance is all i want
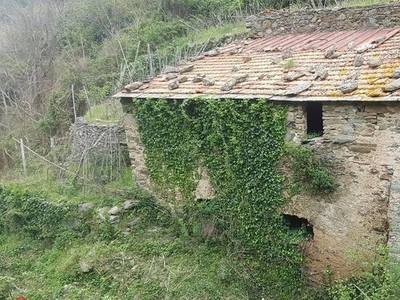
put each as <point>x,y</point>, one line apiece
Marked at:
<point>261,59</point>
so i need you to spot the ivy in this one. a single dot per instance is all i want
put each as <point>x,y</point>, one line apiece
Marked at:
<point>32,215</point>
<point>313,172</point>
<point>240,143</point>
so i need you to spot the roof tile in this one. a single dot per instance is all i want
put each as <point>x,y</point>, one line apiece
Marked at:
<point>266,69</point>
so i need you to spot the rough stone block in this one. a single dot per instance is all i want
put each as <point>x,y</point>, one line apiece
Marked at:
<point>362,148</point>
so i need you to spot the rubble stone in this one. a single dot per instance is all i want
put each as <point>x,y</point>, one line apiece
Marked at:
<point>328,19</point>
<point>173,84</point>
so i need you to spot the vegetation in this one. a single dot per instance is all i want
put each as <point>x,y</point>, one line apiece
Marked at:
<point>310,170</point>
<point>44,245</point>
<point>63,59</point>
<point>240,143</point>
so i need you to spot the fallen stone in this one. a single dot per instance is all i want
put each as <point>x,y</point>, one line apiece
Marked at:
<point>374,170</point>
<point>235,51</point>
<point>84,207</point>
<point>198,78</point>
<point>358,60</point>
<point>102,213</point>
<point>85,267</point>
<point>391,87</point>
<point>275,60</point>
<point>379,40</point>
<point>129,204</point>
<point>171,76</point>
<point>198,57</point>
<point>173,84</point>
<point>213,52</point>
<point>350,46</point>
<point>352,76</point>
<point>228,85</point>
<point>183,79</point>
<point>385,176</point>
<point>363,48</point>
<point>292,76</point>
<point>133,86</point>
<point>69,287</point>
<point>236,68</point>
<point>186,69</point>
<point>114,219</point>
<point>235,80</point>
<point>396,73</point>
<point>115,210</point>
<point>287,53</point>
<point>348,86</point>
<point>298,89</point>
<point>330,52</point>
<point>320,72</point>
<point>241,78</point>
<point>389,170</point>
<point>374,62</point>
<point>208,81</point>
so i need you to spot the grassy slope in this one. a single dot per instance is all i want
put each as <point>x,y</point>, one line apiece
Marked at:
<point>154,259</point>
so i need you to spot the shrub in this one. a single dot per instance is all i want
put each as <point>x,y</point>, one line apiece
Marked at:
<point>310,170</point>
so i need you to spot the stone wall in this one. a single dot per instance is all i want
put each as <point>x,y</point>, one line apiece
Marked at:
<point>296,123</point>
<point>95,139</point>
<point>309,21</point>
<point>140,172</point>
<point>361,141</point>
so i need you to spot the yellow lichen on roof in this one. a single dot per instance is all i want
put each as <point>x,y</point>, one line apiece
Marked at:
<point>271,67</point>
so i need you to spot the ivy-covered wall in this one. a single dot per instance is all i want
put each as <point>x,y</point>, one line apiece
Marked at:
<point>240,144</point>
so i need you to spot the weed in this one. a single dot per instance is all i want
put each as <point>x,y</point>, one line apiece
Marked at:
<point>289,64</point>
<point>310,170</point>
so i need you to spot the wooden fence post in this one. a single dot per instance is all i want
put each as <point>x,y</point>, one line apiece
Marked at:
<point>23,157</point>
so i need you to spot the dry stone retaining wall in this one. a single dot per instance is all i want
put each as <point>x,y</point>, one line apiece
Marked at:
<point>95,139</point>
<point>309,21</point>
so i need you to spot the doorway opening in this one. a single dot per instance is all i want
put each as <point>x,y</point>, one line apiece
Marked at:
<point>315,124</point>
<point>297,223</point>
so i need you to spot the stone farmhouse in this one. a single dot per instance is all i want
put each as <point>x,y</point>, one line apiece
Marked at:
<point>338,73</point>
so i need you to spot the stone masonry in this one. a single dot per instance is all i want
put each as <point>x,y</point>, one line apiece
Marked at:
<point>334,19</point>
<point>95,138</point>
<point>361,141</point>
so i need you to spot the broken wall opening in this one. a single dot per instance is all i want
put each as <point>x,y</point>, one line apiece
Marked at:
<point>315,124</point>
<point>298,223</point>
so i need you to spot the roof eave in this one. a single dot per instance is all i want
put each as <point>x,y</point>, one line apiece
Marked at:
<point>267,97</point>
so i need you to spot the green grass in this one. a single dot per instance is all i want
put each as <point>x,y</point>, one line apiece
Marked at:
<point>203,36</point>
<point>147,264</point>
<point>154,260</point>
<point>351,3</point>
<point>109,112</point>
<point>300,5</point>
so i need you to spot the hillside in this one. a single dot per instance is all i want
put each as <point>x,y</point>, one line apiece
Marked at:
<point>80,228</point>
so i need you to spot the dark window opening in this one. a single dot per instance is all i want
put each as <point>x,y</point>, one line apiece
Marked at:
<point>314,118</point>
<point>296,223</point>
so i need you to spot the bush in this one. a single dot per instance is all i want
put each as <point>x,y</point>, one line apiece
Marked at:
<point>32,215</point>
<point>311,171</point>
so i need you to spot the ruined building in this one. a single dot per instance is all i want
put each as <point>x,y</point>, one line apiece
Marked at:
<point>338,73</point>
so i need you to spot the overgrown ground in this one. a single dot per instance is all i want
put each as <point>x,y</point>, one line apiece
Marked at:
<point>147,255</point>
